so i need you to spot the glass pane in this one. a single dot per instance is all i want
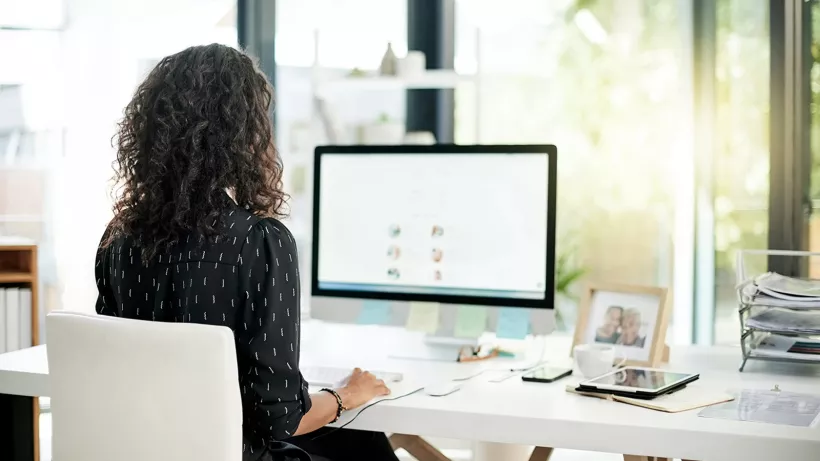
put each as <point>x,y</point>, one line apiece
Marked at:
<point>32,14</point>
<point>352,33</point>
<point>607,82</point>
<point>741,166</point>
<point>318,41</point>
<point>814,135</point>
<point>61,93</point>
<point>31,143</point>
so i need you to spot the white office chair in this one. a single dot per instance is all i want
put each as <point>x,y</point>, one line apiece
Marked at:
<point>132,390</point>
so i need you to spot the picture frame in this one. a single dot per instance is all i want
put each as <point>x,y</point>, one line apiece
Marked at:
<point>632,318</point>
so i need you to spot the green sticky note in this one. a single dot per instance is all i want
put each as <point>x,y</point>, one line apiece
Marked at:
<point>513,323</point>
<point>375,312</point>
<point>423,317</point>
<point>298,179</point>
<point>471,321</point>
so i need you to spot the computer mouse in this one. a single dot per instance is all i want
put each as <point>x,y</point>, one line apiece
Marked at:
<point>442,389</point>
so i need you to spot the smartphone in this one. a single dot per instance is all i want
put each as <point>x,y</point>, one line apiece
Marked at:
<point>546,374</point>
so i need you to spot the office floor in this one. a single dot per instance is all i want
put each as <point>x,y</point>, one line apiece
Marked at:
<point>460,451</point>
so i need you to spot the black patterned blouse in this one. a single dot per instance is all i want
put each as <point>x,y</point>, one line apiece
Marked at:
<point>247,280</point>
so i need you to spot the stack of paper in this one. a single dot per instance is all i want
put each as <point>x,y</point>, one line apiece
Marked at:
<point>15,319</point>
<point>777,290</point>
<point>795,304</point>
<point>787,321</point>
<point>788,347</point>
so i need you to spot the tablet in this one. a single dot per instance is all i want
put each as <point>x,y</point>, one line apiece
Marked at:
<point>638,382</point>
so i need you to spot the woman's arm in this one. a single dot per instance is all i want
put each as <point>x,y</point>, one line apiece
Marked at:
<point>361,388</point>
<point>269,341</point>
<point>322,411</point>
<point>268,333</point>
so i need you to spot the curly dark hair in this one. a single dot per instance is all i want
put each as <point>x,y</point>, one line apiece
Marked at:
<point>199,124</point>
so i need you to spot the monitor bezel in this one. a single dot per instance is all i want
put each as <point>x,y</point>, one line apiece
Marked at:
<point>549,286</point>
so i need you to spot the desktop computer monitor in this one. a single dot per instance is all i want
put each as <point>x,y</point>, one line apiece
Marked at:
<point>442,223</point>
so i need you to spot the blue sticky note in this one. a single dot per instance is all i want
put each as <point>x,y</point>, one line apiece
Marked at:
<point>375,313</point>
<point>513,323</point>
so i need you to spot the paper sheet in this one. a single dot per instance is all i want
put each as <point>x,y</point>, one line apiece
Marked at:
<point>777,284</point>
<point>779,319</point>
<point>471,321</point>
<point>773,407</point>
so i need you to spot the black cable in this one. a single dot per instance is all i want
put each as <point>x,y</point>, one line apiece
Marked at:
<point>334,429</point>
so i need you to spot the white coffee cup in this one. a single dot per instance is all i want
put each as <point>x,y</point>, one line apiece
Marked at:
<point>594,360</point>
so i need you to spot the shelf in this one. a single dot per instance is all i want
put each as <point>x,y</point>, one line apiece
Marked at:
<point>428,80</point>
<point>6,242</point>
<point>753,356</point>
<point>16,277</point>
<point>775,331</point>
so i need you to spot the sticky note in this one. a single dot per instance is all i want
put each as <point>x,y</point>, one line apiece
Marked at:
<point>298,179</point>
<point>375,312</point>
<point>513,323</point>
<point>423,317</point>
<point>471,321</point>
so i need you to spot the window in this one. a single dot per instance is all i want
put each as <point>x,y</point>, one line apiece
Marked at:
<point>63,86</point>
<point>31,130</point>
<point>32,14</point>
<point>352,33</point>
<point>327,39</point>
<point>606,81</point>
<point>741,161</point>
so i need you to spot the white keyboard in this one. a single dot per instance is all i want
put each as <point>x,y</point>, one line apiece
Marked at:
<point>332,376</point>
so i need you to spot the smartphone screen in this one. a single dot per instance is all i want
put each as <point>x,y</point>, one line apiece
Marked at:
<point>546,374</point>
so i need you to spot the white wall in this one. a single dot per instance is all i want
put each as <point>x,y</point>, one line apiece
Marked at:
<point>104,47</point>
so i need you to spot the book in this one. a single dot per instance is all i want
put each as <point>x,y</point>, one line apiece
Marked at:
<point>688,398</point>
<point>25,318</point>
<point>12,319</point>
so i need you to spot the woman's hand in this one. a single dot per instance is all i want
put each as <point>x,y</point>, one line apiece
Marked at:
<point>362,386</point>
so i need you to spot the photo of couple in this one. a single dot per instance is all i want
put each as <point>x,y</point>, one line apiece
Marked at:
<point>620,326</point>
<point>633,319</point>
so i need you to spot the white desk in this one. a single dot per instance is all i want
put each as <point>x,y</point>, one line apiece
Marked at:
<point>534,414</point>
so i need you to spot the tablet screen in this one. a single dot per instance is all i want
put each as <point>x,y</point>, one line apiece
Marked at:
<point>641,378</point>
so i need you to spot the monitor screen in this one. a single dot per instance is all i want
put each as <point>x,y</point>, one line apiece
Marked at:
<point>433,224</point>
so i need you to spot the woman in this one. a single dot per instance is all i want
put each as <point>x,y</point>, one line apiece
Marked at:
<point>195,238</point>
<point>631,329</point>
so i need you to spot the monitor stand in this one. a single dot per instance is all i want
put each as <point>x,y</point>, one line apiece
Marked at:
<point>436,348</point>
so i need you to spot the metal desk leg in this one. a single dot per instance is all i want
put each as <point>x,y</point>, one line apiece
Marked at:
<point>16,428</point>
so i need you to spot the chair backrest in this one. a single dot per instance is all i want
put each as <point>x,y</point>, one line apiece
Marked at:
<point>133,390</point>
